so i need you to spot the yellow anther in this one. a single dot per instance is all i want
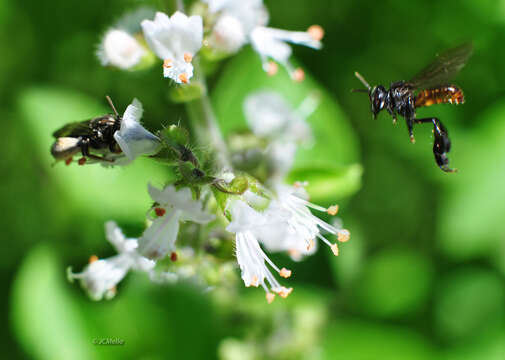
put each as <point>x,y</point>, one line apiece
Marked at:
<point>316,32</point>
<point>272,68</point>
<point>254,281</point>
<point>92,259</point>
<point>285,273</point>
<point>344,235</point>
<point>333,210</point>
<point>334,248</point>
<point>188,57</point>
<point>270,297</point>
<point>311,244</point>
<point>167,63</point>
<point>298,75</point>
<point>184,78</point>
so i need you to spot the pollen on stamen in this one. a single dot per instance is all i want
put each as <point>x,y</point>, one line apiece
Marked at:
<point>285,273</point>
<point>173,256</point>
<point>255,281</point>
<point>311,244</point>
<point>284,292</point>
<point>316,32</point>
<point>272,68</point>
<point>92,259</point>
<point>334,248</point>
<point>68,161</point>
<point>159,211</point>
<point>184,78</point>
<point>332,210</point>
<point>344,235</point>
<point>82,161</point>
<point>298,75</point>
<point>188,57</point>
<point>270,297</point>
<point>167,63</point>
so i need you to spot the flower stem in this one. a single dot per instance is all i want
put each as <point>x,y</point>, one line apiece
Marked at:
<point>204,124</point>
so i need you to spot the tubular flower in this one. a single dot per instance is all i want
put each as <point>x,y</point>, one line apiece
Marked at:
<point>250,257</point>
<point>171,207</point>
<point>100,277</point>
<point>271,44</point>
<point>132,137</point>
<point>301,227</point>
<point>235,21</point>
<point>270,116</point>
<point>119,48</point>
<point>175,40</point>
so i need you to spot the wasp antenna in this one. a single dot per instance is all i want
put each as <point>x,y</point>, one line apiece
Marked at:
<point>111,104</point>
<point>363,81</point>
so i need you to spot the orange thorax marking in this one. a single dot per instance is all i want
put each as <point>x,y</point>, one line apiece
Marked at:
<point>445,94</point>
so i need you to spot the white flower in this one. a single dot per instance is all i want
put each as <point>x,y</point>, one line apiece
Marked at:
<point>228,35</point>
<point>300,227</point>
<point>176,40</point>
<point>100,277</point>
<point>172,206</point>
<point>250,257</point>
<point>132,137</point>
<point>269,115</point>
<point>119,48</point>
<point>271,44</point>
<point>235,22</point>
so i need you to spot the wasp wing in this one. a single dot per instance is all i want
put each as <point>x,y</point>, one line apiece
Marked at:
<point>74,129</point>
<point>444,67</point>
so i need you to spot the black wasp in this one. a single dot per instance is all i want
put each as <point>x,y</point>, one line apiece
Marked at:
<point>95,135</point>
<point>432,87</point>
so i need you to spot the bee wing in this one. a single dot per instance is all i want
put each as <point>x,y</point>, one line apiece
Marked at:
<point>74,129</point>
<point>444,67</point>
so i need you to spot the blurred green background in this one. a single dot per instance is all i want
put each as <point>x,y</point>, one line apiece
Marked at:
<point>423,274</point>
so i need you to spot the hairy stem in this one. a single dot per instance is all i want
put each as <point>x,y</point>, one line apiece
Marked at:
<point>204,124</point>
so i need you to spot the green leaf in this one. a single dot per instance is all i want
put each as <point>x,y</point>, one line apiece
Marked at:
<point>118,192</point>
<point>46,321</point>
<point>335,145</point>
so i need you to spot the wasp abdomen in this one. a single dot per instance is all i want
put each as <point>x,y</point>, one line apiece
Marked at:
<point>449,94</point>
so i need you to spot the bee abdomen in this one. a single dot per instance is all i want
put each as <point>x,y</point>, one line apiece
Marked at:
<point>449,94</point>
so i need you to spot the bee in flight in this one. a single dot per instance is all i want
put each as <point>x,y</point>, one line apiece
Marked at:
<point>431,86</point>
<point>90,138</point>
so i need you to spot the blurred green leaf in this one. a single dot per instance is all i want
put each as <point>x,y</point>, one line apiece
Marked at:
<point>394,283</point>
<point>347,339</point>
<point>473,201</point>
<point>46,321</point>
<point>336,145</point>
<point>119,193</point>
<point>490,345</point>
<point>468,303</point>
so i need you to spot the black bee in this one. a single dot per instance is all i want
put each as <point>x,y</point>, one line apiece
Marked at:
<point>432,87</point>
<point>95,135</point>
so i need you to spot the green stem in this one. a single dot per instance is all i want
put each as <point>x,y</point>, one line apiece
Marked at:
<point>204,123</point>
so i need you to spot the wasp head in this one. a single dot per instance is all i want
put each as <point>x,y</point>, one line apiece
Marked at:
<point>378,96</point>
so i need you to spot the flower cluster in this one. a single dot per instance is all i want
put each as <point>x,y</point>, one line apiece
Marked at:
<point>210,198</point>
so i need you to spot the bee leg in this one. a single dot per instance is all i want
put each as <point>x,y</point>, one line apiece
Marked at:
<point>442,143</point>
<point>84,144</point>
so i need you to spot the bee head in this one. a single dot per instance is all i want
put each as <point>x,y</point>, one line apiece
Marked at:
<point>378,95</point>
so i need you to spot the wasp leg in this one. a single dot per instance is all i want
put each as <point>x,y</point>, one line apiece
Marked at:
<point>393,115</point>
<point>410,127</point>
<point>442,144</point>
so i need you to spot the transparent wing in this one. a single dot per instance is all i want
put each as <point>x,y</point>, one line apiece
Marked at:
<point>444,67</point>
<point>74,129</point>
